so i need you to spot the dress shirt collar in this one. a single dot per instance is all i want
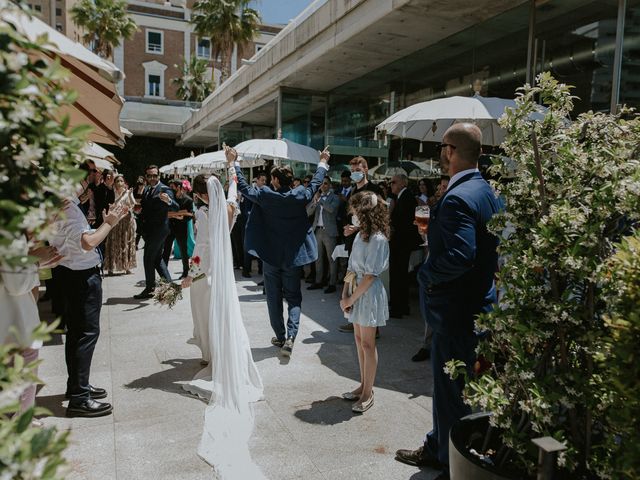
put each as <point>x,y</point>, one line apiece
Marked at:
<point>459,175</point>
<point>401,192</point>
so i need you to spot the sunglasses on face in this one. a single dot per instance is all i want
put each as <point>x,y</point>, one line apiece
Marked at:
<point>152,175</point>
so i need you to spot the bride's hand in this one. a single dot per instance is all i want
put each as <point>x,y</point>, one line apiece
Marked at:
<point>186,282</point>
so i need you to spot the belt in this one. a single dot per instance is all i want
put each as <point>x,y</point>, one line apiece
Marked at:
<point>95,269</point>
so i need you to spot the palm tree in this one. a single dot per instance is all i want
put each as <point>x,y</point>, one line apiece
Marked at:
<point>225,22</point>
<point>193,85</point>
<point>105,22</point>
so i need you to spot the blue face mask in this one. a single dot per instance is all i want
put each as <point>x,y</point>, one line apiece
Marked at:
<point>357,176</point>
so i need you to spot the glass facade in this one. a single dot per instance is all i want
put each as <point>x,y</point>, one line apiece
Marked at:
<point>574,39</point>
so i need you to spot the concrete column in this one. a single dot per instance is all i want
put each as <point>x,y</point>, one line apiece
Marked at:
<point>118,59</point>
<point>187,44</point>
<point>234,59</point>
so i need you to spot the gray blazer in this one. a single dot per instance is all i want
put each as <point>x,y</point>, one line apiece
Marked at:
<point>330,205</point>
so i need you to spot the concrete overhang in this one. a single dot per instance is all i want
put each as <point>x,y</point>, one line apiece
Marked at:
<point>339,42</point>
<point>154,119</point>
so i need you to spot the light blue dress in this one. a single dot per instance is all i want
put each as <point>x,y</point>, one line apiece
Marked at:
<point>372,257</point>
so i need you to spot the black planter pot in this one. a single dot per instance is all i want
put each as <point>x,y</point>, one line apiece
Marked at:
<point>469,432</point>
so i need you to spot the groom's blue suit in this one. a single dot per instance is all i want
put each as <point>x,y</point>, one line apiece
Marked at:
<point>458,279</point>
<point>279,233</point>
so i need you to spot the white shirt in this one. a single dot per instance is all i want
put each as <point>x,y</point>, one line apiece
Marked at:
<point>68,239</point>
<point>459,175</point>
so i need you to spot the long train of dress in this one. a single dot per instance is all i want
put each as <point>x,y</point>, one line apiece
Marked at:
<point>231,381</point>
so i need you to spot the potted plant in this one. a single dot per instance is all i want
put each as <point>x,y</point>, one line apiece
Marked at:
<point>576,191</point>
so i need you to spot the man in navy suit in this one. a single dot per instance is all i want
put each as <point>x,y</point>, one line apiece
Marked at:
<point>279,233</point>
<point>458,277</point>
<point>157,200</point>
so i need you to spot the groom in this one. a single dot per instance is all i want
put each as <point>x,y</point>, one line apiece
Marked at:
<point>279,233</point>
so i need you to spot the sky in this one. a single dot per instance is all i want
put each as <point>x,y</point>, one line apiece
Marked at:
<point>279,11</point>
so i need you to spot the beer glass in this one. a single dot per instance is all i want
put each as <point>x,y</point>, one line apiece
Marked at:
<point>422,221</point>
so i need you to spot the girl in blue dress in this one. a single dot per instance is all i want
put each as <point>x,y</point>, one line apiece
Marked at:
<point>364,299</point>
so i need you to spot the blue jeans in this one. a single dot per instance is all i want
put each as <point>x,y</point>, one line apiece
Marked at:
<point>279,283</point>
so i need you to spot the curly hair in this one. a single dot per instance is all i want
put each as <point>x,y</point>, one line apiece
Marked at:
<point>372,212</point>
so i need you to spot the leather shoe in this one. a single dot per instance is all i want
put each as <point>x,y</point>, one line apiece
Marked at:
<point>418,458</point>
<point>314,286</point>
<point>287,348</point>
<point>89,408</point>
<point>346,328</point>
<point>277,343</point>
<point>361,407</point>
<point>423,355</point>
<point>330,289</point>
<point>95,393</point>
<point>143,295</point>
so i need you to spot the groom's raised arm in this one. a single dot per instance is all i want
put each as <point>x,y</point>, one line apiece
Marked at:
<point>318,177</point>
<point>248,191</point>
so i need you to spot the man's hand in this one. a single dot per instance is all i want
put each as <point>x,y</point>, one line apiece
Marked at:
<point>349,230</point>
<point>230,154</point>
<point>324,155</point>
<point>165,198</point>
<point>186,282</point>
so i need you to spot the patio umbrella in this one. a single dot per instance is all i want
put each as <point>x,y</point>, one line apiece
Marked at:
<point>102,157</point>
<point>177,166</point>
<point>218,161</point>
<point>414,170</point>
<point>427,121</point>
<point>277,149</point>
<point>94,79</point>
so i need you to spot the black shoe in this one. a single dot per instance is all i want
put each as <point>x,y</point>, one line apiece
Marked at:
<point>330,289</point>
<point>246,274</point>
<point>96,393</point>
<point>418,458</point>
<point>89,408</point>
<point>287,348</point>
<point>422,355</point>
<point>346,328</point>
<point>309,280</point>
<point>277,343</point>
<point>314,286</point>
<point>143,295</point>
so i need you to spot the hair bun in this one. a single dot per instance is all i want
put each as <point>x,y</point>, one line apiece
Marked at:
<point>374,200</point>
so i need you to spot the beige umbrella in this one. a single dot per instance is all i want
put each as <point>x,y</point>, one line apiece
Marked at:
<point>101,157</point>
<point>94,78</point>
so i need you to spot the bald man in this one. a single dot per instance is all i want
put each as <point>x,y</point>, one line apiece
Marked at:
<point>457,279</point>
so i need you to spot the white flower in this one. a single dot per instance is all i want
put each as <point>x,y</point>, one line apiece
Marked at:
<point>28,155</point>
<point>34,218</point>
<point>21,111</point>
<point>15,61</point>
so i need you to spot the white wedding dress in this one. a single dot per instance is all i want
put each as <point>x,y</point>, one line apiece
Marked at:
<point>231,381</point>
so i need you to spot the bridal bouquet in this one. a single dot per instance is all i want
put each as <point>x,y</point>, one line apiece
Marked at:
<point>168,293</point>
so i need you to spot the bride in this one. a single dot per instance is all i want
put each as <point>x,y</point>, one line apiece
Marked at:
<point>230,381</point>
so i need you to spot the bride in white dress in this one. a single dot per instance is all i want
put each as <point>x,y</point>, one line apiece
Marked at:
<point>230,381</point>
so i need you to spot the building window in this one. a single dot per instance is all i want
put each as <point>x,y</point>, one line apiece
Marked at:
<point>203,49</point>
<point>153,85</point>
<point>259,46</point>
<point>154,79</point>
<point>58,12</point>
<point>154,41</point>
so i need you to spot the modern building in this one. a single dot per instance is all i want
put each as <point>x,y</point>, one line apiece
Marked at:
<point>343,66</point>
<point>152,58</point>
<point>55,13</point>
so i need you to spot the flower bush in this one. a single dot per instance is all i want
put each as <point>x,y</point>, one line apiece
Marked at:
<point>621,358</point>
<point>576,191</point>
<point>38,148</point>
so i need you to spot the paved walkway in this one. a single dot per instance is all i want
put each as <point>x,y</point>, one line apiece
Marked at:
<point>303,430</point>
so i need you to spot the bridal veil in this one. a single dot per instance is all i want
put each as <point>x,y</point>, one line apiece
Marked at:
<point>235,381</point>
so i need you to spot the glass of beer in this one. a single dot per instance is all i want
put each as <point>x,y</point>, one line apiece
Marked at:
<point>422,221</point>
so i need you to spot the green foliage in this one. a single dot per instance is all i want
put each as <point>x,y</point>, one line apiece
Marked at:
<point>193,85</point>
<point>621,359</point>
<point>105,23</point>
<point>38,148</point>
<point>575,184</point>
<point>26,452</point>
<point>225,22</point>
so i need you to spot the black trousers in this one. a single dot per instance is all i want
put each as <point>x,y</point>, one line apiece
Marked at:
<point>399,278</point>
<point>152,259</point>
<point>237,242</point>
<point>83,301</point>
<point>180,236</point>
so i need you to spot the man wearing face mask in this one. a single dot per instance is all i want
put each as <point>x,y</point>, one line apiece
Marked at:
<point>359,172</point>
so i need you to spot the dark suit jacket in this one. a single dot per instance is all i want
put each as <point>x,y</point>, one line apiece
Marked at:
<point>404,234</point>
<point>154,210</point>
<point>459,272</point>
<point>278,229</point>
